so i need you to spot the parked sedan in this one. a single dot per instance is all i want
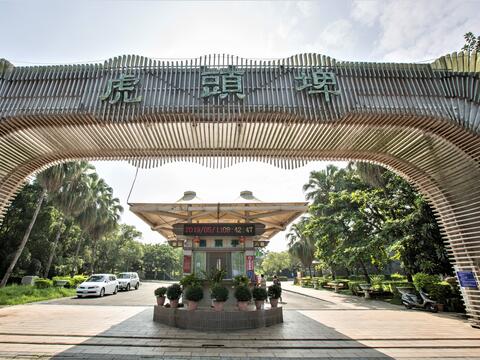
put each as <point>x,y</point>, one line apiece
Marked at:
<point>128,280</point>
<point>98,285</point>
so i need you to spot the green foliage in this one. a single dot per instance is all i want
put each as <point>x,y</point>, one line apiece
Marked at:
<point>472,42</point>
<point>363,217</point>
<point>275,262</point>
<point>392,286</point>
<point>190,280</point>
<point>219,292</point>
<point>22,294</point>
<point>240,280</point>
<point>274,291</point>
<point>259,293</point>
<point>440,292</point>
<point>43,283</point>
<point>424,281</point>
<point>280,278</point>
<point>242,293</point>
<point>398,277</point>
<point>215,276</point>
<point>194,293</point>
<point>160,291</point>
<point>174,292</point>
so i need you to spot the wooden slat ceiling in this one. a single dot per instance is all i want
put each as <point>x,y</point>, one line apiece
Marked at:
<point>275,216</point>
<point>420,120</point>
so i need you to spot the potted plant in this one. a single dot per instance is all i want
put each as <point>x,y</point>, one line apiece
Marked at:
<point>274,293</point>
<point>160,294</point>
<point>260,295</point>
<point>174,292</point>
<point>190,280</point>
<point>219,295</point>
<point>194,294</point>
<point>243,296</point>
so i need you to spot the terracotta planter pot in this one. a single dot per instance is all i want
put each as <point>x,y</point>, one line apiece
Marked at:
<point>174,303</point>
<point>273,302</point>
<point>258,304</point>
<point>160,300</point>
<point>218,305</point>
<point>242,305</point>
<point>192,305</point>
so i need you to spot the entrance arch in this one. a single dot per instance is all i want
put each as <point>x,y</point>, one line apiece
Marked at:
<point>420,121</point>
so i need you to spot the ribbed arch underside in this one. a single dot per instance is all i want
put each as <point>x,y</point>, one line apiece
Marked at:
<point>438,157</point>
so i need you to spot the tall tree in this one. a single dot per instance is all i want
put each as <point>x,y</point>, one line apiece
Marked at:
<point>301,244</point>
<point>472,42</point>
<point>50,180</point>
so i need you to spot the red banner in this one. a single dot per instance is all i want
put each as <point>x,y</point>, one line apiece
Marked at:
<point>187,264</point>
<point>250,262</point>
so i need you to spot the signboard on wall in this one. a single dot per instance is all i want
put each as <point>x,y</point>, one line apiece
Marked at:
<point>187,264</point>
<point>467,279</point>
<point>213,229</point>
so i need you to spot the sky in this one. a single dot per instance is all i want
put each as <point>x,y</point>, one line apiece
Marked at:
<point>58,32</point>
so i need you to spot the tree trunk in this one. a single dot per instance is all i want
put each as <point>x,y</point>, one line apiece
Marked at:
<point>94,256</point>
<point>365,272</point>
<point>24,240</point>
<point>75,259</point>
<point>54,246</point>
<point>409,278</point>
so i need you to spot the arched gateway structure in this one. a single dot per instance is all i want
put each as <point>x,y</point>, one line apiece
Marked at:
<point>420,120</point>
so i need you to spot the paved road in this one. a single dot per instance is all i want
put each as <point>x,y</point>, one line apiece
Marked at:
<point>144,297</point>
<point>317,324</point>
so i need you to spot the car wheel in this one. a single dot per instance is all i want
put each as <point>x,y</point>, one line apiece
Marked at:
<point>128,287</point>
<point>116,290</point>
<point>137,285</point>
<point>102,292</point>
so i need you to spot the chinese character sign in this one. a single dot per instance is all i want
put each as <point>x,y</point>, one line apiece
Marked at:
<point>121,89</point>
<point>222,83</point>
<point>318,82</point>
<point>187,264</point>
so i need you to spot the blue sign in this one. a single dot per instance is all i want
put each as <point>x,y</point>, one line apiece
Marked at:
<point>467,279</point>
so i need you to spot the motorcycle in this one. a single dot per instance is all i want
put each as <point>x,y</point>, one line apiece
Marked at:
<point>421,301</point>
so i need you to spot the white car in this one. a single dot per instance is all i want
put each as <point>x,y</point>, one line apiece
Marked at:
<point>98,285</point>
<point>128,280</point>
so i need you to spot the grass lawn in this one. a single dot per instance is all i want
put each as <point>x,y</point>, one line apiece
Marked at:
<point>22,294</point>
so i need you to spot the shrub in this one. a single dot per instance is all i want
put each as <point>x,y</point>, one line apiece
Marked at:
<point>391,286</point>
<point>243,293</point>
<point>43,283</point>
<point>281,278</point>
<point>70,282</point>
<point>306,281</point>
<point>424,281</point>
<point>190,280</point>
<point>274,291</point>
<point>440,291</point>
<point>241,280</point>
<point>398,277</point>
<point>219,293</point>
<point>174,292</point>
<point>160,291</point>
<point>78,279</point>
<point>194,293</point>
<point>259,293</point>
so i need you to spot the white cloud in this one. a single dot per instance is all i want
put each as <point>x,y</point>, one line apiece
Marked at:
<point>366,11</point>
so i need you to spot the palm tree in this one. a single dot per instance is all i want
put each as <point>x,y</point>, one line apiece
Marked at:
<point>69,201</point>
<point>99,216</point>
<point>321,183</point>
<point>301,245</point>
<point>50,180</point>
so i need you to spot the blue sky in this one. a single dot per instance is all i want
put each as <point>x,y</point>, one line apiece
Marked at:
<point>53,32</point>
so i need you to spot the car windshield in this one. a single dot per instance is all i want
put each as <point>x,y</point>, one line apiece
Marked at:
<point>95,278</point>
<point>124,276</point>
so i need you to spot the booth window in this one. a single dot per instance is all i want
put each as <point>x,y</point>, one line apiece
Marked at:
<point>238,263</point>
<point>200,263</point>
<point>234,243</point>
<point>202,243</point>
<point>218,243</point>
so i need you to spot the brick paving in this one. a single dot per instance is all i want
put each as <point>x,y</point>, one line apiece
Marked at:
<point>317,324</point>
